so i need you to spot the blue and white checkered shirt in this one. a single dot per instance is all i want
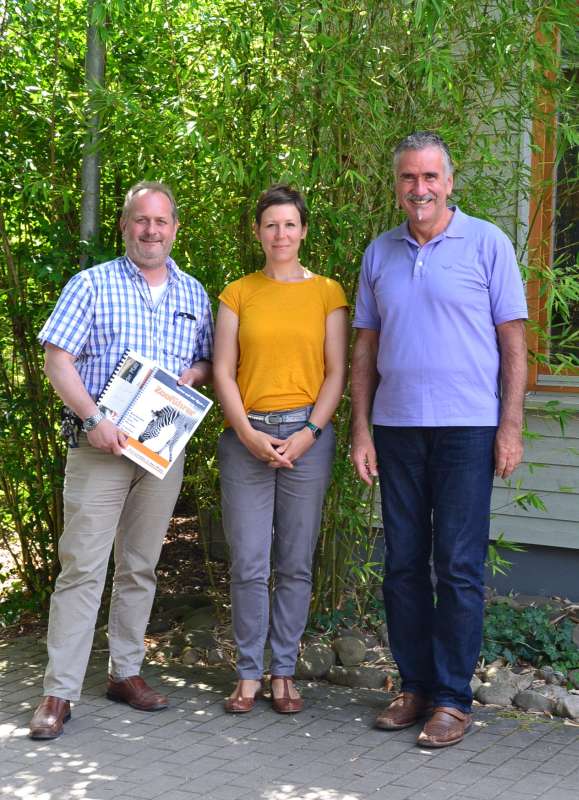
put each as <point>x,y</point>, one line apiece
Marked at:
<point>107,309</point>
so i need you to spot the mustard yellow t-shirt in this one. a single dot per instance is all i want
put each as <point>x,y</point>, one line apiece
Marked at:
<point>282,328</point>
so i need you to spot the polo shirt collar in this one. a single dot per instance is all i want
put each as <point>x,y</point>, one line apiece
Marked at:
<point>456,228</point>
<point>173,271</point>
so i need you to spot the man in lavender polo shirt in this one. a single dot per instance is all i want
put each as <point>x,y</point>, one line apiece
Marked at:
<point>440,362</point>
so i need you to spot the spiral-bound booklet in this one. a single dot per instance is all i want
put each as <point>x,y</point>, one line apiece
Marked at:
<point>157,414</point>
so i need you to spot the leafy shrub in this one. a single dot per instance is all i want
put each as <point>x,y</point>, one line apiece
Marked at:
<point>528,636</point>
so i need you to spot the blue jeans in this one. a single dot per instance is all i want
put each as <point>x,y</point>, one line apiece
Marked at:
<point>436,487</point>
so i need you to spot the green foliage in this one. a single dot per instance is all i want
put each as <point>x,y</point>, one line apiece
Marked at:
<point>496,561</point>
<point>528,636</point>
<point>220,98</point>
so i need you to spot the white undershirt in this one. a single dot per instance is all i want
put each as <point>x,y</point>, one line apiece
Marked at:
<point>157,291</point>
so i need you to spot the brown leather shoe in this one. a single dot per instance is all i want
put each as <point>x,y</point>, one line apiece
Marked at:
<point>446,726</point>
<point>136,693</point>
<point>49,718</point>
<point>239,703</point>
<point>286,704</point>
<point>403,711</point>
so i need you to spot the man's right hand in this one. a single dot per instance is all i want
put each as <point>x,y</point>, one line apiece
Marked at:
<point>107,437</point>
<point>363,455</point>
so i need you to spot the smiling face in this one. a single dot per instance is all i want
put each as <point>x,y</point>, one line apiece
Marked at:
<point>281,232</point>
<point>423,186</point>
<point>149,229</point>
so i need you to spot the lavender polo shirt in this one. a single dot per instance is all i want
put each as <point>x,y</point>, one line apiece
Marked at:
<point>436,308</point>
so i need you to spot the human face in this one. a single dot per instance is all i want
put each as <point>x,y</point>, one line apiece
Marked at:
<point>422,188</point>
<point>149,229</point>
<point>281,233</point>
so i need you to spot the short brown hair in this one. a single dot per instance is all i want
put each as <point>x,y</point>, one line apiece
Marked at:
<point>278,195</point>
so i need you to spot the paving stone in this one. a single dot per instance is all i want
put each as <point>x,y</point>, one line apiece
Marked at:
<point>535,783</point>
<point>561,764</point>
<point>487,788</point>
<point>421,777</point>
<point>541,751</point>
<point>558,793</point>
<point>438,791</point>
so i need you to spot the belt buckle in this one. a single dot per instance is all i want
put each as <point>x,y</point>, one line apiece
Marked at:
<point>273,419</point>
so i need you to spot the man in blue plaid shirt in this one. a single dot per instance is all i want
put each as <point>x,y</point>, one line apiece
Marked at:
<point>141,301</point>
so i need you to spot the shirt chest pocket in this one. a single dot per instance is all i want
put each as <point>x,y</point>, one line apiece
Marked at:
<point>180,337</point>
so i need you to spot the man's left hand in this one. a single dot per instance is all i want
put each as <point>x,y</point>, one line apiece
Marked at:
<point>508,449</point>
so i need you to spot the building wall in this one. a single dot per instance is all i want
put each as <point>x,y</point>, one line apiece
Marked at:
<point>551,470</point>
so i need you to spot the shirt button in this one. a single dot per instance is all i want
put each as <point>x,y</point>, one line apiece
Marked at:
<point>420,263</point>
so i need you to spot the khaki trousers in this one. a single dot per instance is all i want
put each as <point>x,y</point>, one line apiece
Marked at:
<point>107,500</point>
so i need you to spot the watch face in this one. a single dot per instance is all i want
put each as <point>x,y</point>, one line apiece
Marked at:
<point>90,423</point>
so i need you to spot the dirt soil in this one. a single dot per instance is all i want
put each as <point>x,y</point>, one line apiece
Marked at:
<point>182,570</point>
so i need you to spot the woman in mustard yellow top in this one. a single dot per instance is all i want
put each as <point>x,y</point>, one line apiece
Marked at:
<point>279,369</point>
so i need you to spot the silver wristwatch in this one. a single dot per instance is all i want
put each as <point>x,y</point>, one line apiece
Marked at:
<point>90,423</point>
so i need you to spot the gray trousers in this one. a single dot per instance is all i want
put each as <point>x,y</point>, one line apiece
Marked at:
<point>264,506</point>
<point>107,499</point>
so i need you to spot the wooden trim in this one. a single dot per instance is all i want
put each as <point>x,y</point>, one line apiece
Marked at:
<point>541,232</point>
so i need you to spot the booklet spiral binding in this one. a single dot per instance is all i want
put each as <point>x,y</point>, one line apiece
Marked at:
<point>155,412</point>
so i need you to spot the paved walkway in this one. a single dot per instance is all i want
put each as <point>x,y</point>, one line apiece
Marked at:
<point>328,752</point>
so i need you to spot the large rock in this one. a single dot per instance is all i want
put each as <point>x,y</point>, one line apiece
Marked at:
<point>190,656</point>
<point>369,677</point>
<point>375,654</point>
<point>475,684</point>
<point>315,661</point>
<point>350,649</point>
<point>158,626</point>
<point>338,675</point>
<point>531,700</point>
<point>363,677</point>
<point>503,688</point>
<point>199,618</point>
<point>576,635</point>
<point>202,638</point>
<point>568,706</point>
<point>573,677</point>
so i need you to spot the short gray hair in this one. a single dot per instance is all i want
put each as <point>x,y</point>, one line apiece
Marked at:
<point>419,141</point>
<point>149,186</point>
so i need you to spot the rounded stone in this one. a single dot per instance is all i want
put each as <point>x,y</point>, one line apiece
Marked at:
<point>351,650</point>
<point>568,706</point>
<point>315,661</point>
<point>529,700</point>
<point>190,656</point>
<point>338,675</point>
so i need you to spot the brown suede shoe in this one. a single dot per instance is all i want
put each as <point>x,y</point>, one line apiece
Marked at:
<point>239,703</point>
<point>49,718</point>
<point>136,693</point>
<point>446,726</point>
<point>403,711</point>
<point>286,704</point>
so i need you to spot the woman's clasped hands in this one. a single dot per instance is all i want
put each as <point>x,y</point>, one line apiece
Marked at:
<point>278,453</point>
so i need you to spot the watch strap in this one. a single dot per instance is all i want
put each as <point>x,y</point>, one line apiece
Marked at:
<point>316,432</point>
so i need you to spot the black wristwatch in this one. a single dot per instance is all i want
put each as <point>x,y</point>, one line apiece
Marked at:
<point>316,432</point>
